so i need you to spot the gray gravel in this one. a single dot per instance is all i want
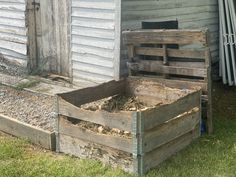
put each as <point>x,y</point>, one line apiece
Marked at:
<point>11,69</point>
<point>34,109</point>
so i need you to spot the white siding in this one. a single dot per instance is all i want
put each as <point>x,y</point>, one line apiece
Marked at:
<point>190,14</point>
<point>13,35</point>
<point>94,41</point>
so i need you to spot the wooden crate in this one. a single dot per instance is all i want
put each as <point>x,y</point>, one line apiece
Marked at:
<point>186,67</point>
<point>157,132</point>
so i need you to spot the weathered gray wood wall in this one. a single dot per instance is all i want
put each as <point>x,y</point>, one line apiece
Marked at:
<point>190,14</point>
<point>49,36</point>
<point>95,41</point>
<point>13,33</point>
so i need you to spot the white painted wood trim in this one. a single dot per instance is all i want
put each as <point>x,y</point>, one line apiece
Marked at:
<point>117,51</point>
<point>69,6</point>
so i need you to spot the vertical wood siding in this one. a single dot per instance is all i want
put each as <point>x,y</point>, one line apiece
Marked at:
<point>190,14</point>
<point>93,41</point>
<point>13,33</point>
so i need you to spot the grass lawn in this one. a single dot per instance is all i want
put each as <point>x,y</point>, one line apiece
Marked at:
<point>210,156</point>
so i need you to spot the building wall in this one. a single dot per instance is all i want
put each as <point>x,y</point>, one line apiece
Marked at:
<point>190,14</point>
<point>95,41</point>
<point>13,33</point>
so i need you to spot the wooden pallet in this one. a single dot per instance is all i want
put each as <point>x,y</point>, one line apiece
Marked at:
<point>156,133</point>
<point>186,67</point>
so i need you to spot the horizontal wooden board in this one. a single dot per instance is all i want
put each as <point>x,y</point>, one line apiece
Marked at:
<point>171,130</point>
<point>181,63</point>
<point>180,84</point>
<point>157,156</point>
<point>181,37</point>
<point>121,120</point>
<point>67,128</point>
<point>177,53</point>
<point>37,136</point>
<point>90,94</point>
<point>155,67</point>
<point>152,93</point>
<point>84,149</point>
<point>157,116</point>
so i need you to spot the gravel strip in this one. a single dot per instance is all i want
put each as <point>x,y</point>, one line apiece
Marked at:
<point>34,109</point>
<point>11,69</point>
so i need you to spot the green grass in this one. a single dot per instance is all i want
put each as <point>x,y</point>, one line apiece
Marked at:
<point>209,156</point>
<point>213,156</point>
<point>28,84</point>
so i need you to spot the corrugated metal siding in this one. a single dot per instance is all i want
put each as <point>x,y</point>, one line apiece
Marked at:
<point>190,14</point>
<point>13,35</point>
<point>93,41</point>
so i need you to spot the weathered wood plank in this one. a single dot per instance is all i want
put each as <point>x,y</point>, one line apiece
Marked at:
<point>67,128</point>
<point>121,121</point>
<point>164,113</point>
<point>209,96</point>
<point>157,156</point>
<point>85,149</point>
<point>32,44</point>
<point>91,94</point>
<point>180,63</point>
<point>181,37</point>
<point>178,53</point>
<point>172,83</point>
<point>153,66</point>
<point>170,130</point>
<point>38,136</point>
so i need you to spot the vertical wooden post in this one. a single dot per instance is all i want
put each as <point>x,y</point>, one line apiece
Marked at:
<point>131,55</point>
<point>209,90</point>
<point>165,59</point>
<point>32,41</point>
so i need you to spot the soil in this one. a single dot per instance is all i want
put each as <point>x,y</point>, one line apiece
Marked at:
<point>117,103</point>
<point>96,128</point>
<point>30,108</point>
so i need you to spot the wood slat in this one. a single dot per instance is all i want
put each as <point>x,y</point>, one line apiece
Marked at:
<point>177,53</point>
<point>155,67</point>
<point>119,143</point>
<point>172,130</point>
<point>157,156</point>
<point>181,37</point>
<point>121,121</point>
<point>106,155</point>
<point>157,116</point>
<point>19,129</point>
<point>180,84</point>
<point>90,94</point>
<point>179,63</point>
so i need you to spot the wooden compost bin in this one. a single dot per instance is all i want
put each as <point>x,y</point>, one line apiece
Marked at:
<point>156,133</point>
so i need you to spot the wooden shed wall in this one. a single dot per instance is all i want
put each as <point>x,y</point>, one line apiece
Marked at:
<point>190,14</point>
<point>13,32</point>
<point>95,41</point>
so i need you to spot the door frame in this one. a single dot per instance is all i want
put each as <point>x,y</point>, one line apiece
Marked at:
<point>62,23</point>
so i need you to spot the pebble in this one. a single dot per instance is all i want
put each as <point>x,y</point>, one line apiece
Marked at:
<point>100,129</point>
<point>116,130</point>
<point>127,133</point>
